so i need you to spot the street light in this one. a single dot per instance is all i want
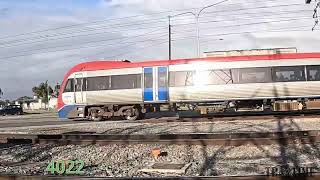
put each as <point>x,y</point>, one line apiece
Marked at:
<point>196,15</point>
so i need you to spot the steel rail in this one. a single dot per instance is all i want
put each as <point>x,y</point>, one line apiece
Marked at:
<point>256,113</point>
<point>225,139</point>
<point>256,116</point>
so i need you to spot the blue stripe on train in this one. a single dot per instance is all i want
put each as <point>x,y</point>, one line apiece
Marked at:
<point>64,111</point>
<point>163,94</point>
<point>148,94</point>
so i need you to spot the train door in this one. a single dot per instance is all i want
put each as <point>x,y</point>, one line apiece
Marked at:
<point>155,84</point>
<point>79,88</point>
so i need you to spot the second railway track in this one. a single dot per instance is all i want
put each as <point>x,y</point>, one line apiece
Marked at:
<point>225,139</point>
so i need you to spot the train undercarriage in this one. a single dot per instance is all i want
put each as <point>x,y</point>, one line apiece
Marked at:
<point>137,111</point>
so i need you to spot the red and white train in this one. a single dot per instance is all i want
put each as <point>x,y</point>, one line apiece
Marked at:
<point>104,89</point>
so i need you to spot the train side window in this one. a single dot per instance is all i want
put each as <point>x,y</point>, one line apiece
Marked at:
<point>131,81</point>
<point>313,73</point>
<point>98,83</point>
<point>219,76</point>
<point>181,78</point>
<point>69,87</point>
<point>78,84</point>
<point>162,79</point>
<point>81,84</point>
<point>252,75</point>
<point>84,84</point>
<point>148,80</point>
<point>289,73</point>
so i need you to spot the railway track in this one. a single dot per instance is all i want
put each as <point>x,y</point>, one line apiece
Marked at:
<point>232,116</point>
<point>225,139</point>
<point>313,176</point>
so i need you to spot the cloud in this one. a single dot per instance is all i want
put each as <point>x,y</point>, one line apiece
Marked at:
<point>48,55</point>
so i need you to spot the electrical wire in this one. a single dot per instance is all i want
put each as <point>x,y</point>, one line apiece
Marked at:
<point>156,20</point>
<point>25,41</point>
<point>115,19</point>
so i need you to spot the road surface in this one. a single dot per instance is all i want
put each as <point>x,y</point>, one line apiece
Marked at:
<point>34,119</point>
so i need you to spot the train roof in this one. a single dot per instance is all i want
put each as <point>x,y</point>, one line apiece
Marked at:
<point>104,64</point>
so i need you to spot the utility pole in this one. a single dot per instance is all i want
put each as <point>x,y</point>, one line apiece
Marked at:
<point>47,95</point>
<point>169,50</point>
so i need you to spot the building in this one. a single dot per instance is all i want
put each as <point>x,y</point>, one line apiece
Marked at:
<point>36,104</point>
<point>249,52</point>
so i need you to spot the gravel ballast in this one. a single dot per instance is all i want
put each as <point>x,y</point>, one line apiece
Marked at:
<point>118,127</point>
<point>127,160</point>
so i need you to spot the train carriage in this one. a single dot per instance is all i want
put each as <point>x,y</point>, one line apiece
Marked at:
<point>278,82</point>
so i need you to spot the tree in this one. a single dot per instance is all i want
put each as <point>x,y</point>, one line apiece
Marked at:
<point>2,103</point>
<point>7,102</point>
<point>56,90</point>
<point>24,99</point>
<point>1,92</point>
<point>42,91</point>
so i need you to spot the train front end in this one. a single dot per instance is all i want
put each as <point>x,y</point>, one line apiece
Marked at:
<point>69,103</point>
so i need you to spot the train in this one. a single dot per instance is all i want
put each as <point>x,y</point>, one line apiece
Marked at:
<point>98,90</point>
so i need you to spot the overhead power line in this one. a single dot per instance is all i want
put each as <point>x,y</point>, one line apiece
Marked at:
<point>225,34</point>
<point>99,21</point>
<point>134,43</point>
<point>216,27</point>
<point>125,18</point>
<point>33,40</point>
<point>115,38</point>
<point>71,49</point>
<point>182,29</point>
<point>81,47</point>
<point>255,30</point>
<point>109,39</point>
<point>238,25</point>
<point>46,38</point>
<point>247,13</point>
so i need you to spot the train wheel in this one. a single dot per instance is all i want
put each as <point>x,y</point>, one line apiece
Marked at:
<point>132,114</point>
<point>94,117</point>
<point>142,115</point>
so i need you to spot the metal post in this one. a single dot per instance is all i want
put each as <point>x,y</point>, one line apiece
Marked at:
<point>198,36</point>
<point>169,38</point>
<point>47,96</point>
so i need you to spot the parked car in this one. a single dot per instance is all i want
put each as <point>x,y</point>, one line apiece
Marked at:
<point>11,109</point>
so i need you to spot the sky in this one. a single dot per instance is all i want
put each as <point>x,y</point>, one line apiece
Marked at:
<point>41,39</point>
